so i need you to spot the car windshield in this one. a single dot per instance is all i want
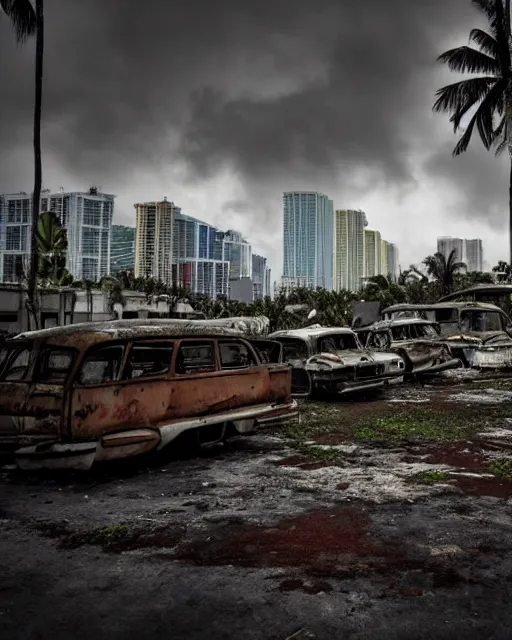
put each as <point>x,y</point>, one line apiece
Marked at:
<point>479,321</point>
<point>16,362</point>
<point>337,342</point>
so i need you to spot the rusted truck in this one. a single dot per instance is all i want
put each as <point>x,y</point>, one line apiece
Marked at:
<point>477,334</point>
<point>331,360</point>
<point>416,340</point>
<point>71,396</point>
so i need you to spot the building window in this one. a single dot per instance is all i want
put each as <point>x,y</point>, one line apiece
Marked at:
<point>13,239</point>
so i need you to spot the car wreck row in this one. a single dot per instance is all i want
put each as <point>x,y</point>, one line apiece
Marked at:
<point>75,395</point>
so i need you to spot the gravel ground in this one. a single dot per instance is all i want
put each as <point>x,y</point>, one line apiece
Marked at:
<point>255,540</point>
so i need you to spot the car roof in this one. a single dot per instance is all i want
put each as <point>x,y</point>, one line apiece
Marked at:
<point>399,322</point>
<point>443,305</point>
<point>314,331</point>
<point>85,334</point>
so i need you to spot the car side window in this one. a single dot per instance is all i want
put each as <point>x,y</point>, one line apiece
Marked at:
<point>18,367</point>
<point>148,359</point>
<point>55,365</point>
<point>101,364</point>
<point>294,349</point>
<point>235,355</point>
<point>195,356</point>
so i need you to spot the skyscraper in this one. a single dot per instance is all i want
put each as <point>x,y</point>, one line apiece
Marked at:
<point>308,239</point>
<point>122,249</point>
<point>239,253</point>
<point>87,217</point>
<point>446,245</point>
<point>260,277</point>
<point>384,257</point>
<point>198,262</point>
<point>392,260</point>
<point>467,251</point>
<point>474,255</point>
<point>348,249</point>
<point>372,253</point>
<point>154,240</point>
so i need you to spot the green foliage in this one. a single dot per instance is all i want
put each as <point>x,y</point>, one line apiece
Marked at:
<point>421,424</point>
<point>428,477</point>
<point>52,244</point>
<point>443,271</point>
<point>501,468</point>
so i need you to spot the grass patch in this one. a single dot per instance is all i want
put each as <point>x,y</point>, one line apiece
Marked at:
<point>316,419</point>
<point>428,477</point>
<point>501,468</point>
<point>423,424</point>
<point>315,453</point>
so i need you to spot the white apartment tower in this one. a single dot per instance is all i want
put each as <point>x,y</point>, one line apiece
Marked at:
<point>87,217</point>
<point>468,251</point>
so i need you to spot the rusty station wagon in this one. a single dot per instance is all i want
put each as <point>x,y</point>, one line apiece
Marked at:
<point>70,396</point>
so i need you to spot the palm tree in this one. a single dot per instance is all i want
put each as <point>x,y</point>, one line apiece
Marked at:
<point>490,92</point>
<point>52,243</point>
<point>443,270</point>
<point>26,22</point>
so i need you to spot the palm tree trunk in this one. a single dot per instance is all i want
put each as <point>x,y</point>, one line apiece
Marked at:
<point>32,304</point>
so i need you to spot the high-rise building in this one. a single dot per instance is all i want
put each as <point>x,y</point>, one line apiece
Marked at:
<point>260,277</point>
<point>474,255</point>
<point>198,262</point>
<point>308,239</point>
<point>468,251</point>
<point>87,218</point>
<point>372,253</point>
<point>122,249</point>
<point>384,257</point>
<point>239,254</point>
<point>392,261</point>
<point>348,249</point>
<point>446,245</point>
<point>154,240</point>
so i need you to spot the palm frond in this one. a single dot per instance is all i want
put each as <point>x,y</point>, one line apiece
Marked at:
<point>22,16</point>
<point>466,92</point>
<point>485,41</point>
<point>467,59</point>
<point>501,136</point>
<point>487,6</point>
<point>483,119</point>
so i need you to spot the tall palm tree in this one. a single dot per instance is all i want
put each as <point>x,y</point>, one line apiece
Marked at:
<point>443,270</point>
<point>490,93</point>
<point>28,20</point>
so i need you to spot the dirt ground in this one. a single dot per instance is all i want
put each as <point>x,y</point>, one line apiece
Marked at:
<point>385,517</point>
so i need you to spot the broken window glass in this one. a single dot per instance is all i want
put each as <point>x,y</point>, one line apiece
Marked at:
<point>17,368</point>
<point>101,365</point>
<point>55,365</point>
<point>235,355</point>
<point>148,359</point>
<point>195,357</point>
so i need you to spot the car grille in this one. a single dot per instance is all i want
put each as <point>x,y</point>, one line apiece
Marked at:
<point>369,371</point>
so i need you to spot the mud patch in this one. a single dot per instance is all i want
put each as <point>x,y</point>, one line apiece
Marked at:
<point>458,455</point>
<point>481,486</point>
<point>325,542</point>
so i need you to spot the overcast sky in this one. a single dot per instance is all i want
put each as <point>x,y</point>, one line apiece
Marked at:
<point>221,106</point>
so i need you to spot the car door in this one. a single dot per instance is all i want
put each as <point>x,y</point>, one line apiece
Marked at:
<point>214,376</point>
<point>295,353</point>
<point>122,386</point>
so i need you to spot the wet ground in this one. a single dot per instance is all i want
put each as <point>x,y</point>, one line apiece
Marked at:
<point>384,517</point>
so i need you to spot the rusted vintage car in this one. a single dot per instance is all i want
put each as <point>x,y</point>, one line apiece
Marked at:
<point>478,334</point>
<point>417,341</point>
<point>70,396</point>
<point>331,360</point>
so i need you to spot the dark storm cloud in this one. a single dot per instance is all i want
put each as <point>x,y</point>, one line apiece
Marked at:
<point>288,88</point>
<point>478,177</point>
